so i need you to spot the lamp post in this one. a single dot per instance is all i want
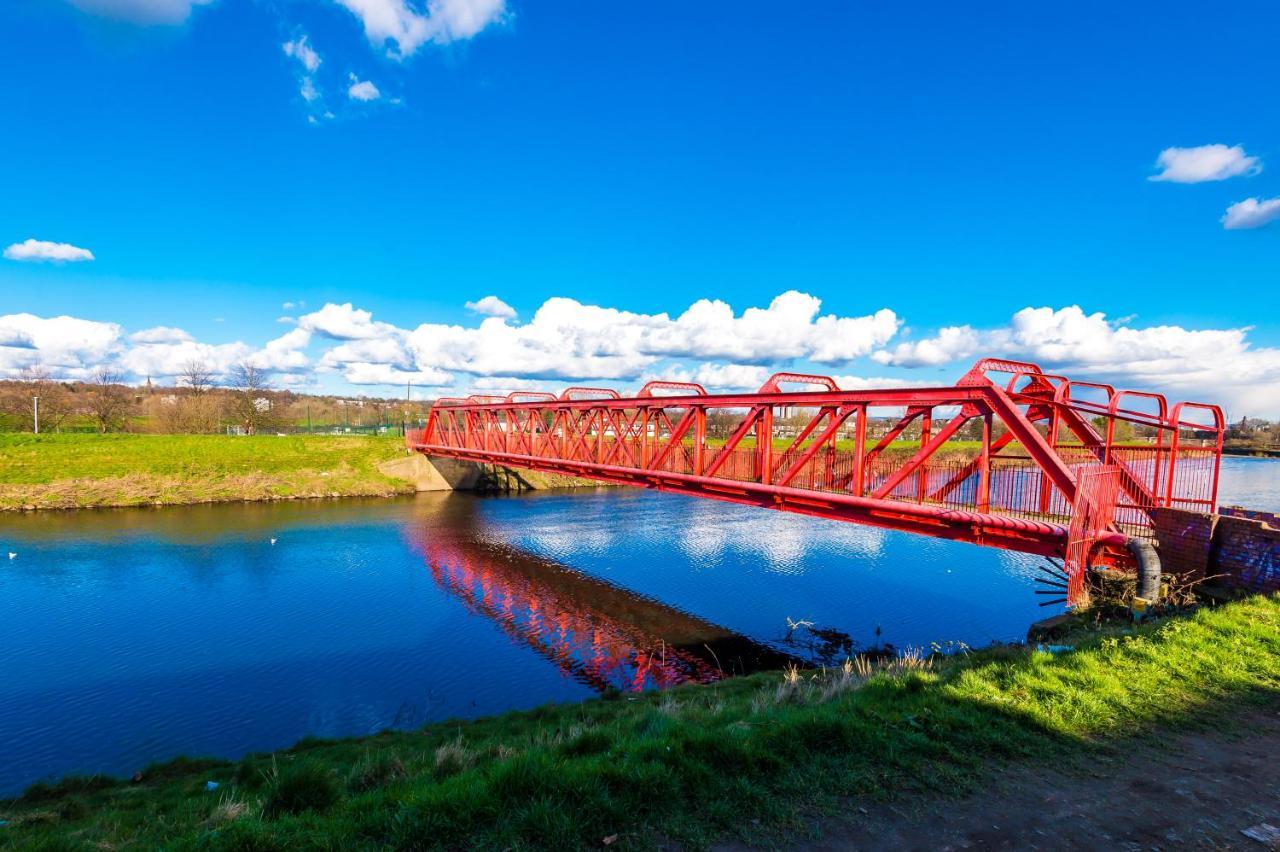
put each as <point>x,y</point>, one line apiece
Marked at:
<point>35,415</point>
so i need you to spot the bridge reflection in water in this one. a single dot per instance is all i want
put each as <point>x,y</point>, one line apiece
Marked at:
<point>601,635</point>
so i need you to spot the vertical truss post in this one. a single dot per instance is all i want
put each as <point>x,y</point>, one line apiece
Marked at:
<point>984,466</point>
<point>859,450</point>
<point>922,473</point>
<point>764,444</point>
<point>699,440</point>
<point>646,452</point>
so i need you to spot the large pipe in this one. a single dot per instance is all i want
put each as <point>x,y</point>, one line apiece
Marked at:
<point>1144,553</point>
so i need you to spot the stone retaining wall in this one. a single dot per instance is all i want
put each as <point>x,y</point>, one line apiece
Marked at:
<point>442,474</point>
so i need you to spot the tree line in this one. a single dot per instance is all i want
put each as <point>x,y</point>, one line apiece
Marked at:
<point>199,401</point>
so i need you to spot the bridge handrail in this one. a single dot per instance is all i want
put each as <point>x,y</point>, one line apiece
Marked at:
<point>1062,396</point>
<point>1114,409</point>
<point>1219,419</point>
<point>569,393</point>
<point>771,384</point>
<point>647,391</point>
<point>534,396</point>
<point>1052,379</point>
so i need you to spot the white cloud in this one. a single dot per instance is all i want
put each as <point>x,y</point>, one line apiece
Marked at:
<point>43,250</point>
<point>362,90</point>
<point>1212,365</point>
<point>1251,213</point>
<point>300,49</point>
<point>567,339</point>
<point>855,383</point>
<point>789,328</point>
<point>568,342</point>
<point>161,334</point>
<point>284,354</point>
<point>168,360</point>
<point>67,345</point>
<point>15,338</point>
<point>731,376</point>
<point>401,26</point>
<point>141,11</point>
<point>492,306</point>
<point>344,322</point>
<point>406,29</point>
<point>360,373</point>
<point>1204,163</point>
<point>959,341</point>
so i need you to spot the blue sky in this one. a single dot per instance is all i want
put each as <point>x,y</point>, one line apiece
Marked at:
<point>954,164</point>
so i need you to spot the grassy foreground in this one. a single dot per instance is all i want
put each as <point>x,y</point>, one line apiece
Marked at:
<point>77,471</point>
<point>749,755</point>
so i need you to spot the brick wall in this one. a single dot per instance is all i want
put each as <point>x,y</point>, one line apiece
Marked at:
<point>1246,548</point>
<point>1184,541</point>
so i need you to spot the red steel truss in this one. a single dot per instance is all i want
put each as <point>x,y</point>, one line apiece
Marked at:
<point>843,454</point>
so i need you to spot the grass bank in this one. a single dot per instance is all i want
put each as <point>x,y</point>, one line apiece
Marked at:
<point>80,471</point>
<point>749,755</point>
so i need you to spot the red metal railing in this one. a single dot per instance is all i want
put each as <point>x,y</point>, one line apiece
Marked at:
<point>1013,482</point>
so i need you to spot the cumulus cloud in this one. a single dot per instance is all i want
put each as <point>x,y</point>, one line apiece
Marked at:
<point>345,322</point>
<point>960,341</point>
<point>570,340</point>
<point>66,345</point>
<point>362,90</point>
<point>731,376</point>
<point>43,250</point>
<point>161,334</point>
<point>492,306</point>
<point>141,11</point>
<point>1204,163</point>
<point>1251,213</point>
<point>789,328</point>
<point>15,338</point>
<point>1214,365</point>
<point>567,341</point>
<point>402,28</point>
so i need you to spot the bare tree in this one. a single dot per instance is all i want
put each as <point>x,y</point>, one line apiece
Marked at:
<point>110,400</point>
<point>197,375</point>
<point>56,401</point>
<point>251,402</point>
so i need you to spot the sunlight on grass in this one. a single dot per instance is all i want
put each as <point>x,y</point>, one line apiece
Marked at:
<point>687,763</point>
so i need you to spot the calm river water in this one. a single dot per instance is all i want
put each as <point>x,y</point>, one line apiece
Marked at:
<point>131,636</point>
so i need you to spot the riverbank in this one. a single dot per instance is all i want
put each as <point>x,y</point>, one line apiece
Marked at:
<point>755,757</point>
<point>1261,451</point>
<point>88,471</point>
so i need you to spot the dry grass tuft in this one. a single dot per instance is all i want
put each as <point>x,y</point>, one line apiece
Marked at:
<point>229,809</point>
<point>453,757</point>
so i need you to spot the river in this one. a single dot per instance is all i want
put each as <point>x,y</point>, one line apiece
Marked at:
<point>133,636</point>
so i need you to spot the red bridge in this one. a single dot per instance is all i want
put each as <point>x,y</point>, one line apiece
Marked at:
<point>1052,466</point>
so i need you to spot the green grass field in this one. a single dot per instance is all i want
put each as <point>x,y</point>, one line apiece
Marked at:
<point>753,756</point>
<point>82,470</point>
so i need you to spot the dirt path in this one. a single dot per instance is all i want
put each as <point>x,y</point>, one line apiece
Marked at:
<point>1196,791</point>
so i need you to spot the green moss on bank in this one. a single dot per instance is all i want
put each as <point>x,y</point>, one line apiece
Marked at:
<point>692,763</point>
<point>80,471</point>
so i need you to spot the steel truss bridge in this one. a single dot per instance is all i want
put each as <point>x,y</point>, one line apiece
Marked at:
<point>1051,466</point>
